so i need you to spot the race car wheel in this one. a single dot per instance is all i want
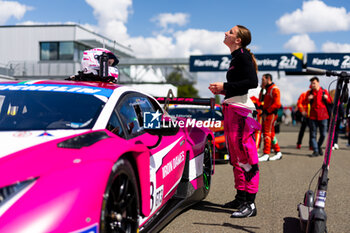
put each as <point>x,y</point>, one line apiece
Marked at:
<point>207,167</point>
<point>121,201</point>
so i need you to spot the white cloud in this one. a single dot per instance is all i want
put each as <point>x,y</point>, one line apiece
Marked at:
<point>158,46</point>
<point>10,9</point>
<point>315,16</point>
<point>300,43</point>
<point>331,47</point>
<point>112,16</point>
<point>179,44</point>
<point>199,41</point>
<point>165,19</point>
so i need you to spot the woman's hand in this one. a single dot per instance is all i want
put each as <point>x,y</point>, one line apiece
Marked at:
<point>217,88</point>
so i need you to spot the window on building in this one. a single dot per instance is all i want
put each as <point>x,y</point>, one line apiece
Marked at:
<point>78,51</point>
<point>66,50</point>
<point>48,51</point>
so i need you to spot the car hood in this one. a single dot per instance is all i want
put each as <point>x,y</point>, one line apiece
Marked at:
<point>14,141</point>
<point>29,154</point>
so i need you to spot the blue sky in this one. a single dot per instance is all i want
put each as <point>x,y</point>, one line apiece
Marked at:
<point>142,20</point>
<point>168,28</point>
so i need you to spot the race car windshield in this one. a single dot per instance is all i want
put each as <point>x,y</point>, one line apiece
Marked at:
<point>196,113</point>
<point>41,110</point>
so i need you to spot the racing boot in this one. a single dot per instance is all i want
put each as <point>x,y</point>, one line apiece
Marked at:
<point>239,200</point>
<point>277,156</point>
<point>264,157</point>
<point>248,209</point>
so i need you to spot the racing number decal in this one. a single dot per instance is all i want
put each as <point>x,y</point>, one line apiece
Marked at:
<point>156,196</point>
<point>152,199</point>
<point>159,197</point>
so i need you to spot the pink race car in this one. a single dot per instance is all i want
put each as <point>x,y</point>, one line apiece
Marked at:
<point>95,157</point>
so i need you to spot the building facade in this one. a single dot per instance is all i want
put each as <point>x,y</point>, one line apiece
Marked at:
<point>50,51</point>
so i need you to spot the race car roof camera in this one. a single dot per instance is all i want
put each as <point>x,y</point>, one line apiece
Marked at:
<point>103,65</point>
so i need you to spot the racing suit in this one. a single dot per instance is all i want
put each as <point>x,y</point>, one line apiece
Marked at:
<point>271,105</point>
<point>239,129</point>
<point>258,105</point>
<point>304,109</point>
<point>239,123</point>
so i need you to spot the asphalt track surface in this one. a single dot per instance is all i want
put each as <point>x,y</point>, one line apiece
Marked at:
<point>283,184</point>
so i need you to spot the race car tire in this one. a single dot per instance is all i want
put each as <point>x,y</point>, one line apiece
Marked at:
<point>207,167</point>
<point>120,208</point>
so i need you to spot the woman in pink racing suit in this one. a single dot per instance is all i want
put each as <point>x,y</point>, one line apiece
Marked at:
<point>239,122</point>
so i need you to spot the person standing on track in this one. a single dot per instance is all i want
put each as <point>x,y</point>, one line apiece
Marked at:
<point>240,125</point>
<point>271,105</point>
<point>318,99</point>
<point>304,109</point>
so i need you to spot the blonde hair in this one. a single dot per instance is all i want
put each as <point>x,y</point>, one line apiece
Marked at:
<point>246,37</point>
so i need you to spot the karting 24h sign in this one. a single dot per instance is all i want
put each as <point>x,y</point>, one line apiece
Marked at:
<point>329,61</point>
<point>266,62</point>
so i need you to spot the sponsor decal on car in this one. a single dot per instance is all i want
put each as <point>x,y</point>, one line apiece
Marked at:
<point>57,88</point>
<point>45,134</point>
<point>22,134</point>
<point>171,165</point>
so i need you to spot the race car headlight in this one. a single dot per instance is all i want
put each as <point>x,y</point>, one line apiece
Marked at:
<point>8,192</point>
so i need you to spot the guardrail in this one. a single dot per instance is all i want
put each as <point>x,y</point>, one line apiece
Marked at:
<point>26,68</point>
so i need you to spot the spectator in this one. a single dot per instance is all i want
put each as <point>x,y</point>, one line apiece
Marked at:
<point>318,98</point>
<point>304,109</point>
<point>271,105</point>
<point>258,102</point>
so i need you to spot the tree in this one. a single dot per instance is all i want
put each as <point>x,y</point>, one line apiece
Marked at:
<point>217,99</point>
<point>185,87</point>
<point>187,91</point>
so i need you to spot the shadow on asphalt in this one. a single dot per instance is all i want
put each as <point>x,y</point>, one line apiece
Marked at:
<point>302,152</point>
<point>212,207</point>
<point>232,226</point>
<point>291,225</point>
<point>306,154</point>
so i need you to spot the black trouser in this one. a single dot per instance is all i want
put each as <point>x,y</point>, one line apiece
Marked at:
<point>243,196</point>
<point>304,124</point>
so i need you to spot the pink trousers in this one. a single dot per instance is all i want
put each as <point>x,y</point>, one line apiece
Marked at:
<point>240,127</point>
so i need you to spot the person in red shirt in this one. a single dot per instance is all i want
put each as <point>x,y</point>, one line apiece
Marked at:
<point>271,105</point>
<point>304,109</point>
<point>318,98</point>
